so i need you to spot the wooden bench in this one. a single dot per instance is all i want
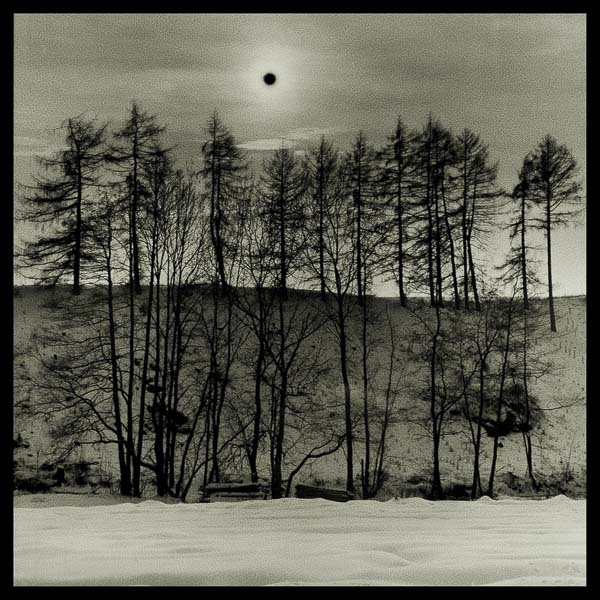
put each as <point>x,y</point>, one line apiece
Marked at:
<point>309,491</point>
<point>233,492</point>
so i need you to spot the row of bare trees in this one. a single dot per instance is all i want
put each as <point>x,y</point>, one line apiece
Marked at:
<point>480,371</point>
<point>425,203</point>
<point>190,276</point>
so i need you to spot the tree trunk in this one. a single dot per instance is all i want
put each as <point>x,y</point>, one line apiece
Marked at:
<point>430,234</point>
<point>347,398</point>
<point>490,490</point>
<point>124,472</point>
<point>378,471</point>
<point>437,492</point>
<point>131,369</point>
<point>399,216</point>
<point>451,242</point>
<point>215,212</point>
<point>359,252</point>
<point>526,435</point>
<point>219,232</point>
<point>476,483</point>
<point>258,374</point>
<point>464,232</point>
<point>365,378</point>
<point>438,249</point>
<point>222,388</point>
<point>77,249</point>
<point>473,278</point>
<point>207,435</point>
<point>158,400</point>
<point>134,236</point>
<point>140,440</point>
<point>145,362</point>
<point>276,479</point>
<point>174,365</point>
<point>214,475</point>
<point>523,254</point>
<point>282,244</point>
<point>470,250</point>
<point>321,228</point>
<point>549,250</point>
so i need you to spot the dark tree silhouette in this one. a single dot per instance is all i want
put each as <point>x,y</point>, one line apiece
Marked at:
<point>258,265</point>
<point>63,201</point>
<point>360,165</point>
<point>222,170</point>
<point>284,185</point>
<point>478,205</point>
<point>398,168</point>
<point>321,166</point>
<point>433,156</point>
<point>339,261</point>
<point>518,268</point>
<point>137,143</point>
<point>556,191</point>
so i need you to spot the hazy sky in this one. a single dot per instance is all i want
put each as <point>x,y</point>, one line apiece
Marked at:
<point>510,78</point>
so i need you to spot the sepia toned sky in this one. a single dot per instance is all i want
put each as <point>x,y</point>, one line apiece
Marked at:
<point>510,78</point>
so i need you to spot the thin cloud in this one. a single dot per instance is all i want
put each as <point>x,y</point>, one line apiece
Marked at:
<point>290,139</point>
<point>311,133</point>
<point>26,146</point>
<point>267,144</point>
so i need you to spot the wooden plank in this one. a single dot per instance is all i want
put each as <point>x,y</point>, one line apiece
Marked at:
<point>213,488</point>
<point>233,492</point>
<point>309,491</point>
<point>234,497</point>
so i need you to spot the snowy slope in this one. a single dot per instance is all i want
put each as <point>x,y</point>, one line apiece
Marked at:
<point>303,542</point>
<point>559,444</point>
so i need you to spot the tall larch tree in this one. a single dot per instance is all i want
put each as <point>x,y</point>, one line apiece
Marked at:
<point>517,270</point>
<point>284,186</point>
<point>136,144</point>
<point>556,191</point>
<point>397,170</point>
<point>321,169</point>
<point>63,201</point>
<point>222,171</point>
<point>479,202</point>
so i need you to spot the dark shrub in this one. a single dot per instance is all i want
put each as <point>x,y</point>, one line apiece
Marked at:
<point>32,484</point>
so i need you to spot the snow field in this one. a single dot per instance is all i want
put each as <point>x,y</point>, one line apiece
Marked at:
<point>304,542</point>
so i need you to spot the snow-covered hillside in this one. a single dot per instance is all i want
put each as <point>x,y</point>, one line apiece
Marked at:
<point>302,542</point>
<point>559,453</point>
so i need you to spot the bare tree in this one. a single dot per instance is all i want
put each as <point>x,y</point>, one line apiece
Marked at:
<point>258,264</point>
<point>78,362</point>
<point>289,331</point>
<point>340,264</point>
<point>500,401</point>
<point>488,327</point>
<point>447,378</point>
<point>383,417</point>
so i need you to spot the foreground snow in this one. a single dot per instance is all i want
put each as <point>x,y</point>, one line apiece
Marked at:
<point>304,542</point>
